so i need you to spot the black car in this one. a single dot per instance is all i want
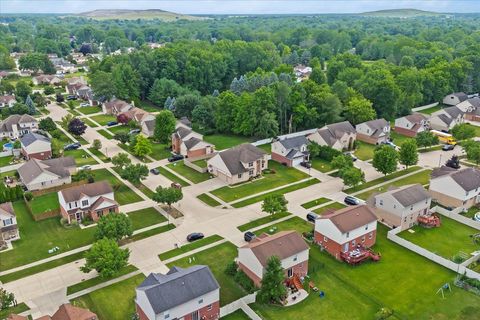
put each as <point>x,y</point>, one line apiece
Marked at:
<point>351,201</point>
<point>311,216</point>
<point>195,236</point>
<point>175,157</point>
<point>249,236</point>
<point>306,164</point>
<point>72,146</point>
<point>448,147</point>
<point>112,123</point>
<point>154,171</point>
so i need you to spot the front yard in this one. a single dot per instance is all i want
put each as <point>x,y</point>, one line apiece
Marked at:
<point>334,206</point>
<point>81,157</point>
<point>194,176</point>
<point>123,194</point>
<point>160,151</point>
<point>145,218</point>
<point>365,150</point>
<point>103,119</point>
<point>225,141</point>
<point>90,110</point>
<point>322,165</point>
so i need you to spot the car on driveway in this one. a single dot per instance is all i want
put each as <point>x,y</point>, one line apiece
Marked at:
<point>390,144</point>
<point>176,185</point>
<point>351,201</point>
<point>249,236</point>
<point>85,167</point>
<point>72,146</point>
<point>351,155</point>
<point>448,147</point>
<point>72,97</point>
<point>306,164</point>
<point>134,131</point>
<point>112,123</point>
<point>84,104</point>
<point>312,216</point>
<point>195,236</point>
<point>175,157</point>
<point>154,171</point>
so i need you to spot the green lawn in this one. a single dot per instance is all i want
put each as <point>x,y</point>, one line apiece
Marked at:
<point>266,147</point>
<point>123,194</point>
<point>21,307</point>
<point>225,141</point>
<point>334,206</point>
<point>148,106</point>
<point>126,148</point>
<point>237,315</point>
<point>321,165</point>
<point>8,174</point>
<point>105,133</point>
<point>89,110</point>
<point>431,110</point>
<point>262,221</point>
<point>217,259</point>
<point>187,172</point>
<point>315,203</point>
<point>172,177</point>
<point>99,154</point>
<point>365,150</point>
<point>476,128</point>
<point>160,151</point>
<point>145,217</point>
<point>201,163</point>
<point>471,212</point>
<point>382,179</point>
<point>89,122</point>
<point>45,202</point>
<point>283,175</point>
<point>447,240</point>
<point>115,302</point>
<point>397,138</point>
<point>81,157</point>
<point>103,119</point>
<point>36,238</point>
<point>295,223</point>
<point>208,200</point>
<point>422,177</point>
<point>150,233</point>
<point>119,129</point>
<point>5,161</point>
<point>145,190</point>
<point>189,247</point>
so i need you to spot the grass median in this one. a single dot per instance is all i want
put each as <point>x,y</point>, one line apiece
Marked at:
<point>172,177</point>
<point>315,203</point>
<point>189,247</point>
<point>262,221</point>
<point>208,200</point>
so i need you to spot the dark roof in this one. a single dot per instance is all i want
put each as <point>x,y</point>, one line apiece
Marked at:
<point>445,119</point>
<point>243,153</point>
<point>467,178</point>
<point>91,189</point>
<point>332,132</point>
<point>150,124</point>
<point>377,126</point>
<point>30,138</point>
<point>15,119</point>
<point>294,143</point>
<point>453,112</point>
<point>416,117</point>
<point>68,312</point>
<point>443,170</point>
<point>34,167</point>
<point>462,96</point>
<point>475,102</point>
<point>177,287</point>
<point>190,143</point>
<point>182,132</point>
<point>185,121</point>
<point>411,195</point>
<point>351,218</point>
<point>7,208</point>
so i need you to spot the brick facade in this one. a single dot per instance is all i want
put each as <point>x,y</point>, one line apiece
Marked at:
<point>472,117</point>
<point>300,269</point>
<point>40,155</point>
<point>281,159</point>
<point>141,314</point>
<point>95,215</point>
<point>405,132</point>
<point>257,281</point>
<point>211,312</point>
<point>369,139</point>
<point>196,153</point>
<point>335,248</point>
<point>176,142</point>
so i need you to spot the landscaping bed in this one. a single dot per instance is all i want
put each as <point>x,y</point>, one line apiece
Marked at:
<point>145,217</point>
<point>189,247</point>
<point>123,194</point>
<point>315,202</point>
<point>189,173</point>
<point>262,221</point>
<point>208,200</point>
<point>172,177</point>
<point>81,157</point>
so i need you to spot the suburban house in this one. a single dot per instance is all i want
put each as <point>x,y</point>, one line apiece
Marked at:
<point>15,126</point>
<point>401,207</point>
<point>145,119</point>
<point>446,119</point>
<point>36,146</point>
<point>454,98</point>
<point>42,174</point>
<point>63,66</point>
<point>373,131</point>
<point>65,312</point>
<point>50,79</point>
<point>411,125</point>
<point>455,188</point>
<point>148,127</point>
<point>7,101</point>
<point>116,106</point>
<point>340,136</point>
<point>343,231</point>
<point>471,107</point>
<point>288,246</point>
<point>238,164</point>
<point>302,72</point>
<point>8,223</point>
<point>4,74</point>
<point>189,143</point>
<point>92,200</point>
<point>73,84</point>
<point>192,293</point>
<point>291,151</point>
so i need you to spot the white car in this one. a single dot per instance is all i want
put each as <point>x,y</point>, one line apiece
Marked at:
<point>84,104</point>
<point>85,167</point>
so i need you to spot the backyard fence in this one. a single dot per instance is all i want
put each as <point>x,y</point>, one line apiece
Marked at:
<point>455,215</point>
<point>43,215</point>
<point>189,162</point>
<point>37,193</point>
<point>431,105</point>
<point>237,304</point>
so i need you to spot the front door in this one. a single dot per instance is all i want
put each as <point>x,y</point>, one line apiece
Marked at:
<point>79,217</point>
<point>195,315</point>
<point>345,247</point>
<point>290,272</point>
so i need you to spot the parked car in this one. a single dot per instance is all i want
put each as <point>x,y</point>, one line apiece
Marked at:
<point>176,185</point>
<point>390,144</point>
<point>453,162</point>
<point>85,167</point>
<point>312,216</point>
<point>351,155</point>
<point>72,146</point>
<point>154,171</point>
<point>84,104</point>
<point>249,236</point>
<point>175,157</point>
<point>134,131</point>
<point>448,147</point>
<point>351,201</point>
<point>72,97</point>
<point>112,123</point>
<point>306,164</point>
<point>195,236</point>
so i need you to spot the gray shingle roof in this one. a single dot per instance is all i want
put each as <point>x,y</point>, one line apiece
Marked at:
<point>332,132</point>
<point>30,138</point>
<point>294,143</point>
<point>90,189</point>
<point>467,178</point>
<point>410,195</point>
<point>475,102</point>
<point>377,126</point>
<point>351,218</point>
<point>190,143</point>
<point>177,286</point>
<point>416,117</point>
<point>453,112</point>
<point>445,119</point>
<point>462,96</point>
<point>33,168</point>
<point>182,132</point>
<point>443,170</point>
<point>15,119</point>
<point>244,153</point>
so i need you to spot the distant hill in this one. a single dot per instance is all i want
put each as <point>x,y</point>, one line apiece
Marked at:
<point>105,14</point>
<point>402,13</point>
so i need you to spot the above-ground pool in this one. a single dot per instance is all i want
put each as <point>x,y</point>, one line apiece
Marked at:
<point>8,146</point>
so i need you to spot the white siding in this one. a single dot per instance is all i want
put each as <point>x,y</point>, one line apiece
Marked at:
<point>191,306</point>
<point>328,229</point>
<point>248,259</point>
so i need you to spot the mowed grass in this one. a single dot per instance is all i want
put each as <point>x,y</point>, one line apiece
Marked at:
<point>119,129</point>
<point>386,178</point>
<point>217,259</point>
<point>431,110</point>
<point>261,221</point>
<point>334,206</point>
<point>37,237</point>
<point>115,302</point>
<point>189,173</point>
<point>145,218</point>
<point>99,154</point>
<point>321,165</point>
<point>224,141</point>
<point>237,315</point>
<point>172,177</point>
<point>105,133</point>
<point>5,161</point>
<point>189,247</point>
<point>21,307</point>
<point>123,194</point>
<point>208,200</point>
<point>476,128</point>
<point>103,119</point>
<point>365,150</point>
<point>295,223</point>
<point>397,138</point>
<point>43,203</point>
<point>315,202</point>
<point>81,157</point>
<point>447,240</point>
<point>160,151</point>
<point>89,122</point>
<point>284,175</point>
<point>89,110</point>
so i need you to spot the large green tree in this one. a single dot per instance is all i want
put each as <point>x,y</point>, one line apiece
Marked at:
<point>167,196</point>
<point>408,154</point>
<point>142,146</point>
<point>134,173</point>
<point>273,289</point>
<point>106,257</point>
<point>274,204</point>
<point>359,110</point>
<point>463,131</point>
<point>385,159</point>
<point>164,126</point>
<point>114,226</point>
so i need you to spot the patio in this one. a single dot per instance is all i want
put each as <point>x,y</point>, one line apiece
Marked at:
<point>295,297</point>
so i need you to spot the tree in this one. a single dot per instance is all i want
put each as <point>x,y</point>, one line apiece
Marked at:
<point>134,173</point>
<point>164,126</point>
<point>121,160</point>
<point>114,226</point>
<point>48,90</point>
<point>472,149</point>
<point>359,110</point>
<point>123,137</point>
<point>318,76</point>
<point>408,155</point>
<point>385,159</point>
<point>47,124</point>
<point>123,118</point>
<point>272,289</point>
<point>30,105</point>
<point>23,89</point>
<point>274,204</point>
<point>7,299</point>
<point>101,83</point>
<point>57,148</point>
<point>59,98</point>
<point>426,139</point>
<point>142,146</point>
<point>77,127</point>
<point>342,161</point>
<point>352,176</point>
<point>167,195</point>
<point>106,257</point>
<point>463,131</point>
<point>97,144</point>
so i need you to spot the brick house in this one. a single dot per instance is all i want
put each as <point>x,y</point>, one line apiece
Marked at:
<point>189,294</point>
<point>15,126</point>
<point>411,125</point>
<point>291,151</point>
<point>288,246</point>
<point>65,312</point>
<point>116,106</point>
<point>189,143</point>
<point>342,231</point>
<point>471,107</point>
<point>144,119</point>
<point>373,131</point>
<point>340,136</point>
<point>36,146</point>
<point>92,200</point>
<point>446,119</point>
<point>455,188</point>
<point>42,174</point>
<point>401,207</point>
<point>454,98</point>
<point>8,223</point>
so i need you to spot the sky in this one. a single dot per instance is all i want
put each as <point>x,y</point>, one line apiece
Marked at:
<point>237,6</point>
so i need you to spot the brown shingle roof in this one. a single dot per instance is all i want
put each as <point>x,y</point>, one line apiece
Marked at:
<point>90,189</point>
<point>351,218</point>
<point>244,153</point>
<point>416,117</point>
<point>7,208</point>
<point>15,119</point>
<point>68,312</point>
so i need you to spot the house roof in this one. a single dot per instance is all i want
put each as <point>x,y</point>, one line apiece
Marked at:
<point>7,208</point>
<point>453,112</point>
<point>7,98</point>
<point>468,178</point>
<point>192,142</point>
<point>416,117</point>
<point>462,96</point>
<point>351,218</point>
<point>475,102</point>
<point>185,121</point>
<point>182,132</point>
<point>16,317</point>
<point>243,153</point>
<point>294,142</point>
<point>15,119</point>
<point>150,124</point>
<point>34,167</point>
<point>332,132</point>
<point>377,126</point>
<point>444,118</point>
<point>101,200</point>
<point>116,103</point>
<point>410,195</point>
<point>443,170</point>
<point>30,138</point>
<point>90,189</point>
<point>178,286</point>
<point>283,244</point>
<point>68,312</point>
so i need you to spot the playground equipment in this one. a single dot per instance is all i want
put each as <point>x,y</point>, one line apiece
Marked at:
<point>430,221</point>
<point>446,286</point>
<point>359,255</point>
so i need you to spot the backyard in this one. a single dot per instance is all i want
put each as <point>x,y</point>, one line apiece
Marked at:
<point>81,157</point>
<point>43,203</point>
<point>397,138</point>
<point>89,110</point>
<point>321,165</point>
<point>194,176</point>
<point>225,141</point>
<point>123,194</point>
<point>160,151</point>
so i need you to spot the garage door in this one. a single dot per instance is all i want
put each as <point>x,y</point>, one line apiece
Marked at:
<point>297,161</point>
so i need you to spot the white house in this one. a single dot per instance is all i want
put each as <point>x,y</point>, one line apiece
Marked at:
<point>15,126</point>
<point>340,136</point>
<point>411,125</point>
<point>469,104</point>
<point>42,174</point>
<point>7,101</point>
<point>291,151</point>
<point>373,131</point>
<point>446,118</point>
<point>8,223</point>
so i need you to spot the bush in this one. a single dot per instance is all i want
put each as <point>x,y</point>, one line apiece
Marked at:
<point>383,313</point>
<point>28,196</point>
<point>458,258</point>
<point>327,153</point>
<point>244,281</point>
<point>231,269</point>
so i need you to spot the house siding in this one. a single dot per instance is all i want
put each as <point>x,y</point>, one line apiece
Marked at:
<point>406,132</point>
<point>38,155</point>
<point>335,248</point>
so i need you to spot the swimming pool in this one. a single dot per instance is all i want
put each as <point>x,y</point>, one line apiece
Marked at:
<point>8,146</point>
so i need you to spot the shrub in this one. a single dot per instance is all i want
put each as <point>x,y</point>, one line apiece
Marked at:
<point>383,313</point>
<point>244,281</point>
<point>231,269</point>
<point>28,196</point>
<point>458,258</point>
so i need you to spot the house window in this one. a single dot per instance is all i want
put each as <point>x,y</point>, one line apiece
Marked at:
<point>100,213</point>
<point>290,272</point>
<point>70,205</point>
<point>239,175</point>
<point>111,210</point>
<point>84,203</point>
<point>411,208</point>
<point>7,222</point>
<point>370,235</point>
<point>263,163</point>
<point>348,234</point>
<point>250,172</point>
<point>250,164</point>
<point>200,301</point>
<point>295,258</point>
<point>394,206</point>
<point>325,239</point>
<point>366,227</point>
<point>363,239</point>
<point>209,307</point>
<point>167,315</point>
<point>353,242</point>
<point>381,202</point>
<point>405,219</point>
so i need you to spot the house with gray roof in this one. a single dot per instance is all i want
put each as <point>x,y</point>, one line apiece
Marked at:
<point>42,174</point>
<point>446,118</point>
<point>290,151</point>
<point>374,131</point>
<point>8,224</point>
<point>340,136</point>
<point>189,143</point>
<point>116,106</point>
<point>7,101</point>
<point>411,125</point>
<point>191,293</point>
<point>34,145</point>
<point>455,188</point>
<point>471,107</point>
<point>238,164</point>
<point>15,126</point>
<point>454,98</point>
<point>401,207</point>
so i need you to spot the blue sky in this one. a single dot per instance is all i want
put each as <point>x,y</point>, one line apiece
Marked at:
<point>236,6</point>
